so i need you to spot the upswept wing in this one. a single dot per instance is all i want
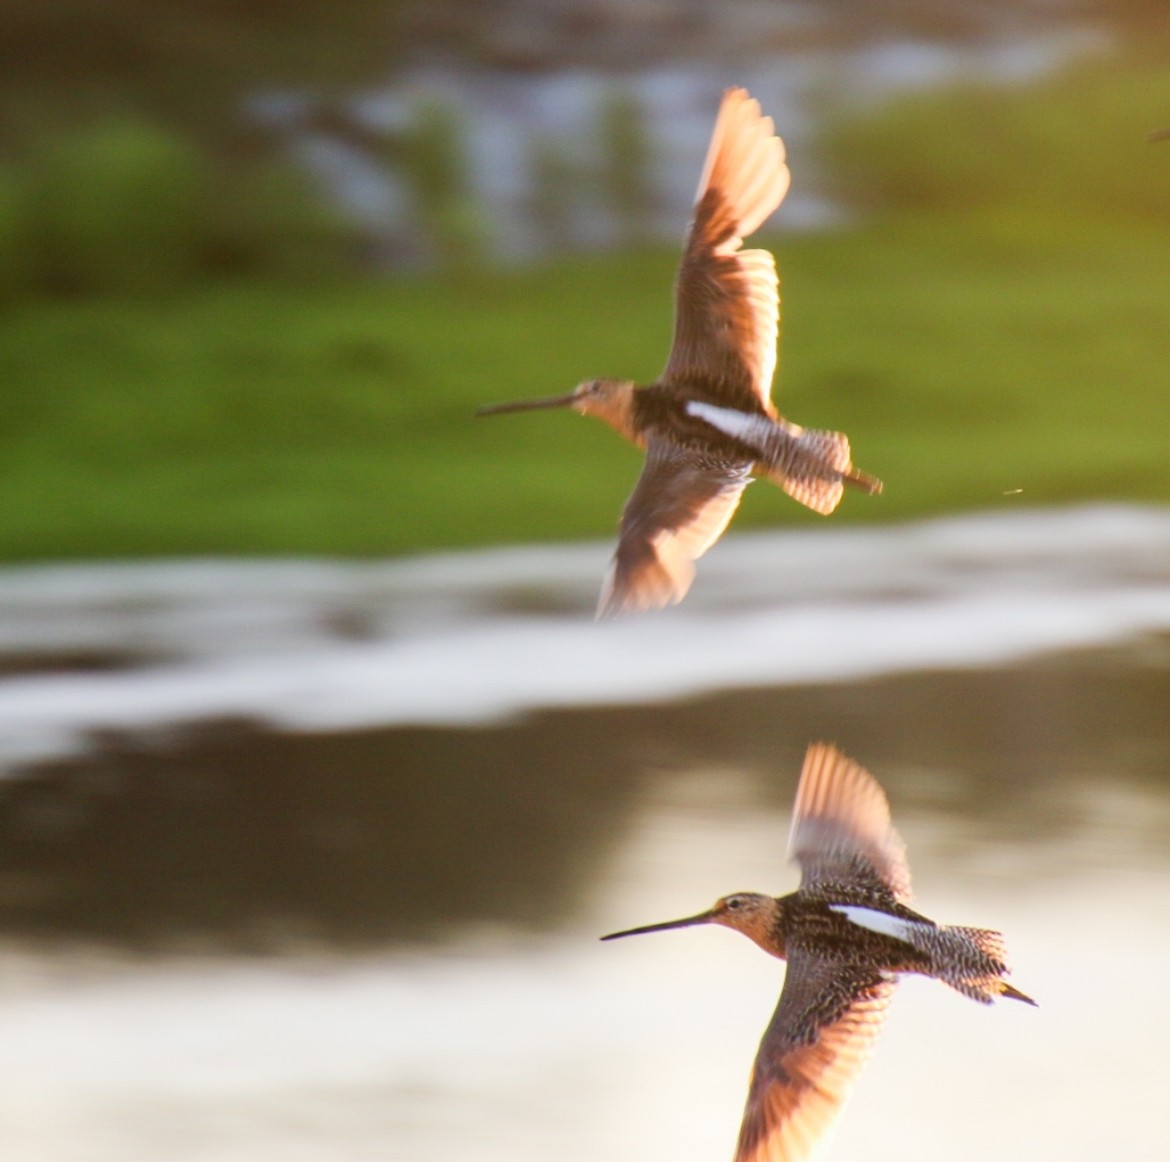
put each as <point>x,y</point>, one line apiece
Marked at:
<point>727,302</point>
<point>820,1036</point>
<point>841,829</point>
<point>679,507</point>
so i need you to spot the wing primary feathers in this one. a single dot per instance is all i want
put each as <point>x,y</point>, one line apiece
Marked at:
<point>841,825</point>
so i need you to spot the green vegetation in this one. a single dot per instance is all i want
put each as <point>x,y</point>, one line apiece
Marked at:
<point>338,419</point>
<point>433,158</point>
<point>1066,147</point>
<point>993,335</point>
<point>627,149</point>
<point>115,209</point>
<point>127,161</point>
<point>125,206</point>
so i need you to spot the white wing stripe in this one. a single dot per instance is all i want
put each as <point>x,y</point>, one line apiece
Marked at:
<point>752,430</point>
<point>876,921</point>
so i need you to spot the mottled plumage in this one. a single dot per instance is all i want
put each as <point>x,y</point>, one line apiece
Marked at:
<point>709,421</point>
<point>847,933</point>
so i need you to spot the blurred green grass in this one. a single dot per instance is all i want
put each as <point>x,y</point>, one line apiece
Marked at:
<point>1065,146</point>
<point>965,359</point>
<point>993,334</point>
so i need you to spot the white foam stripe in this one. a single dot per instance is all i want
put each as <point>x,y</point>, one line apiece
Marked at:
<point>507,665</point>
<point>875,921</point>
<point>253,639</point>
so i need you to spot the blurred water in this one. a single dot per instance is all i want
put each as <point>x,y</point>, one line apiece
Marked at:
<point>269,889</point>
<point>315,645</point>
<point>501,1044</point>
<point>507,118</point>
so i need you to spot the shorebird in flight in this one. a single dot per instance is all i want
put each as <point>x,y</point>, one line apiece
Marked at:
<point>847,933</point>
<point>709,420</point>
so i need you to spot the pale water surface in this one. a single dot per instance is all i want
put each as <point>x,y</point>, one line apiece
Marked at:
<point>498,1045</point>
<point>302,862</point>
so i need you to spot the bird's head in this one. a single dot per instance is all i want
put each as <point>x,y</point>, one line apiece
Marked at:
<point>751,913</point>
<point>610,400</point>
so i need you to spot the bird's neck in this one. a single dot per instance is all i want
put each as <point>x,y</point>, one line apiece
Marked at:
<point>766,929</point>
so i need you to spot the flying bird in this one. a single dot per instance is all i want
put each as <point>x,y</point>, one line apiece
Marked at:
<point>708,422</point>
<point>846,933</point>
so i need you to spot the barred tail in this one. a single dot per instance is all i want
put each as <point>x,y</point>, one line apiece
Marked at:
<point>813,467</point>
<point>988,941</point>
<point>985,985</point>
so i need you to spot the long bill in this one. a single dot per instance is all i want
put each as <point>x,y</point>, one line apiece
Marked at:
<point>526,405</point>
<point>690,921</point>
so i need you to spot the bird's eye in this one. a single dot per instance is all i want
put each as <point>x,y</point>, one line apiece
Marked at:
<point>734,903</point>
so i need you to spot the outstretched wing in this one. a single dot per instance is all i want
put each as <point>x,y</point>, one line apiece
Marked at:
<point>841,828</point>
<point>727,302</point>
<point>820,1036</point>
<point>680,505</point>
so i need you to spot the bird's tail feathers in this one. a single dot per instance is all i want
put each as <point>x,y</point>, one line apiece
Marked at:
<point>987,940</point>
<point>1013,993</point>
<point>986,989</point>
<point>855,478</point>
<point>811,466</point>
<point>986,983</point>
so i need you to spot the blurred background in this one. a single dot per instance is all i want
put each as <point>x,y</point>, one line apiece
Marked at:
<point>319,782</point>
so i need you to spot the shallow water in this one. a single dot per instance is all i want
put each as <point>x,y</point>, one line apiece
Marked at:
<point>232,929</point>
<point>316,645</point>
<point>515,1041</point>
<point>509,120</point>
